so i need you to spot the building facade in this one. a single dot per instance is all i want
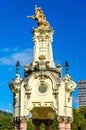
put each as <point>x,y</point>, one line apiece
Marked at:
<point>43,91</point>
<point>82,92</point>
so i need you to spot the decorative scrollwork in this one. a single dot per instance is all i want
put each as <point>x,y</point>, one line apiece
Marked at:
<point>64,119</point>
<point>15,84</point>
<point>20,119</point>
<point>69,84</point>
<point>28,90</point>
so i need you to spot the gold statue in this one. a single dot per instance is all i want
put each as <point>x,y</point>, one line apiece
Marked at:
<point>41,19</point>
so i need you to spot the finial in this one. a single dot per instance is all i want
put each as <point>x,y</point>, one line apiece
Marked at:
<point>66,66</point>
<point>17,67</point>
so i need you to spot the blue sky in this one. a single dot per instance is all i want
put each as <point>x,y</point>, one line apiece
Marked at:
<point>68,19</point>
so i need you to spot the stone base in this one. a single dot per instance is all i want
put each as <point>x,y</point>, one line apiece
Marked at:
<point>67,126</point>
<point>17,126</point>
<point>64,126</point>
<point>21,126</point>
<point>61,126</point>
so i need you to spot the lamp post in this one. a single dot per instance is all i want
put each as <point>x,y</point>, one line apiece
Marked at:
<point>17,67</point>
<point>66,66</point>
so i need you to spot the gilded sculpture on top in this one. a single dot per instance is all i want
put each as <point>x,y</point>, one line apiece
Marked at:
<point>40,18</point>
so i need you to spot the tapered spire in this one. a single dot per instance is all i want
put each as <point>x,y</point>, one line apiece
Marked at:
<point>42,38</point>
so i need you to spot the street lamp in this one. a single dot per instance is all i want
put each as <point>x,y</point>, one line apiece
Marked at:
<point>17,67</point>
<point>66,66</point>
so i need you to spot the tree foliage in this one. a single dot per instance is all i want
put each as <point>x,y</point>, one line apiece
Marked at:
<point>79,122</point>
<point>6,121</point>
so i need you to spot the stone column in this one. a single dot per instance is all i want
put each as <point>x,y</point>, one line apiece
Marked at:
<point>23,126</point>
<point>20,123</point>
<point>67,126</point>
<point>48,124</point>
<point>68,123</point>
<point>61,126</point>
<point>17,126</point>
<point>36,123</point>
<point>61,122</point>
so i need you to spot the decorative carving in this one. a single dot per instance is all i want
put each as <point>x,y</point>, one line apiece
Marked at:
<point>36,65</point>
<point>15,84</point>
<point>20,119</point>
<point>64,119</point>
<point>70,120</point>
<point>42,65</point>
<point>40,18</point>
<point>42,57</point>
<point>47,64</point>
<point>55,93</point>
<point>61,119</point>
<point>56,88</point>
<point>27,70</point>
<point>23,118</point>
<point>28,90</point>
<point>15,87</point>
<point>59,69</point>
<point>69,84</point>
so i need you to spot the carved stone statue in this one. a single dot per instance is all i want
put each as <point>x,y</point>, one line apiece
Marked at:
<point>41,19</point>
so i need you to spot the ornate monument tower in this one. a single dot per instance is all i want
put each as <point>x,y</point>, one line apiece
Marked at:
<point>42,91</point>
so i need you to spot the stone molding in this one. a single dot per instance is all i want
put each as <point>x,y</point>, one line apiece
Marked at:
<point>20,119</point>
<point>64,119</point>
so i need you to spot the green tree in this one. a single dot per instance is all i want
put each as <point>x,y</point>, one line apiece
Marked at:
<point>55,124</point>
<point>42,126</point>
<point>30,125</point>
<point>79,118</point>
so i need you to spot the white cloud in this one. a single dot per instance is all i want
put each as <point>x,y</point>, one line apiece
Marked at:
<point>5,49</point>
<point>24,56</point>
<point>6,110</point>
<point>10,50</point>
